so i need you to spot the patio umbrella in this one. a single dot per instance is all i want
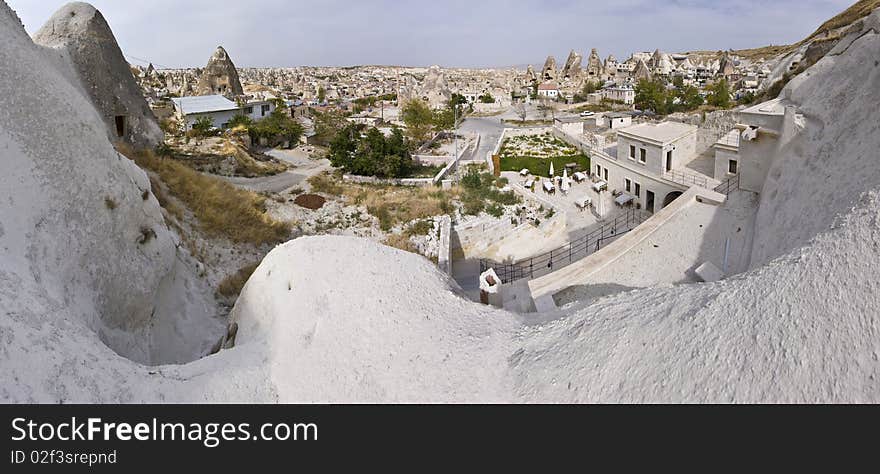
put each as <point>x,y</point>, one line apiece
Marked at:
<point>551,169</point>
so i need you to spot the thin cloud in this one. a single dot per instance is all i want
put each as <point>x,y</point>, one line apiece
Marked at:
<point>451,33</point>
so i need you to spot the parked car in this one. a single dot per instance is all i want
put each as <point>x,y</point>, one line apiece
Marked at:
<point>587,113</point>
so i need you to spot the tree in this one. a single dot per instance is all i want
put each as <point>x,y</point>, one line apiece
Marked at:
<point>278,127</point>
<point>327,125</point>
<point>343,146</point>
<point>690,98</point>
<point>521,111</point>
<point>456,99</point>
<point>444,119</point>
<point>240,120</point>
<point>547,107</point>
<point>419,119</point>
<point>203,127</point>
<point>651,95</point>
<point>747,98</point>
<point>370,153</point>
<point>719,94</point>
<point>322,94</point>
<point>487,99</point>
<point>589,87</point>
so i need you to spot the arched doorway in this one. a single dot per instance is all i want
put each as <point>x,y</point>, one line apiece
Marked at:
<point>671,197</point>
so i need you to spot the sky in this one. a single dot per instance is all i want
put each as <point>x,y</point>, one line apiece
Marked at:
<point>450,33</point>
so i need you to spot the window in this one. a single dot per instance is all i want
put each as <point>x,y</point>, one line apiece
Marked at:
<point>731,166</point>
<point>642,155</point>
<point>628,185</point>
<point>120,126</point>
<point>632,151</point>
<point>248,110</point>
<point>599,170</point>
<point>638,192</point>
<point>606,174</point>
<point>264,110</point>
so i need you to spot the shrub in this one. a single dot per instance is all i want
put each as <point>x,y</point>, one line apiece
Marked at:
<point>325,183</point>
<point>495,210</point>
<point>420,227</point>
<point>232,285</point>
<point>402,242</point>
<point>109,203</point>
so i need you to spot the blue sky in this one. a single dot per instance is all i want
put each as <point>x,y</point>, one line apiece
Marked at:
<point>466,33</point>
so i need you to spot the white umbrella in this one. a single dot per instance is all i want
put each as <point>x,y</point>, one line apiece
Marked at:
<point>566,184</point>
<point>551,169</point>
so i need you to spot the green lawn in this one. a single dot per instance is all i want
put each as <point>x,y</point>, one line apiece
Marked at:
<point>541,166</point>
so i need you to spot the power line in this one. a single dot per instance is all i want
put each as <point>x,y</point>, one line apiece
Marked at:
<point>147,61</point>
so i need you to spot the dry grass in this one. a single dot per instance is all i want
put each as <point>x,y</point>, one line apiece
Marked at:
<point>396,205</point>
<point>327,184</point>
<point>232,285</point>
<point>221,209</point>
<point>402,242</point>
<point>246,165</point>
<point>852,14</point>
<point>392,205</point>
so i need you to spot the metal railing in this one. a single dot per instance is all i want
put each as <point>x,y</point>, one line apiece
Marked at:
<point>686,179</point>
<point>729,185</point>
<point>566,255</point>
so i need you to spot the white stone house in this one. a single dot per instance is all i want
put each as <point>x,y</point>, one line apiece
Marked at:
<point>219,109</point>
<point>727,155</point>
<point>617,120</point>
<point>549,90</point>
<point>216,107</point>
<point>623,94</point>
<point>571,125</point>
<point>761,130</point>
<point>642,164</point>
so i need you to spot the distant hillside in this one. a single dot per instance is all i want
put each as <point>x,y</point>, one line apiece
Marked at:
<point>857,11</point>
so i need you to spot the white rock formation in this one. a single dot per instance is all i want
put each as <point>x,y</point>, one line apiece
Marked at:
<point>88,51</point>
<point>79,242</point>
<point>801,326</point>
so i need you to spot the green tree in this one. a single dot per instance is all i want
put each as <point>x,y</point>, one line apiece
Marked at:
<point>327,125</point>
<point>719,94</point>
<point>747,98</point>
<point>241,120</point>
<point>322,94</point>
<point>651,95</point>
<point>370,153</point>
<point>444,119</point>
<point>419,120</point>
<point>343,146</point>
<point>278,127</point>
<point>690,98</point>
<point>589,87</point>
<point>456,99</point>
<point>487,99</point>
<point>203,127</point>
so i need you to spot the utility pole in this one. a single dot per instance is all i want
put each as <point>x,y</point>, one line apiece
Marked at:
<point>454,128</point>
